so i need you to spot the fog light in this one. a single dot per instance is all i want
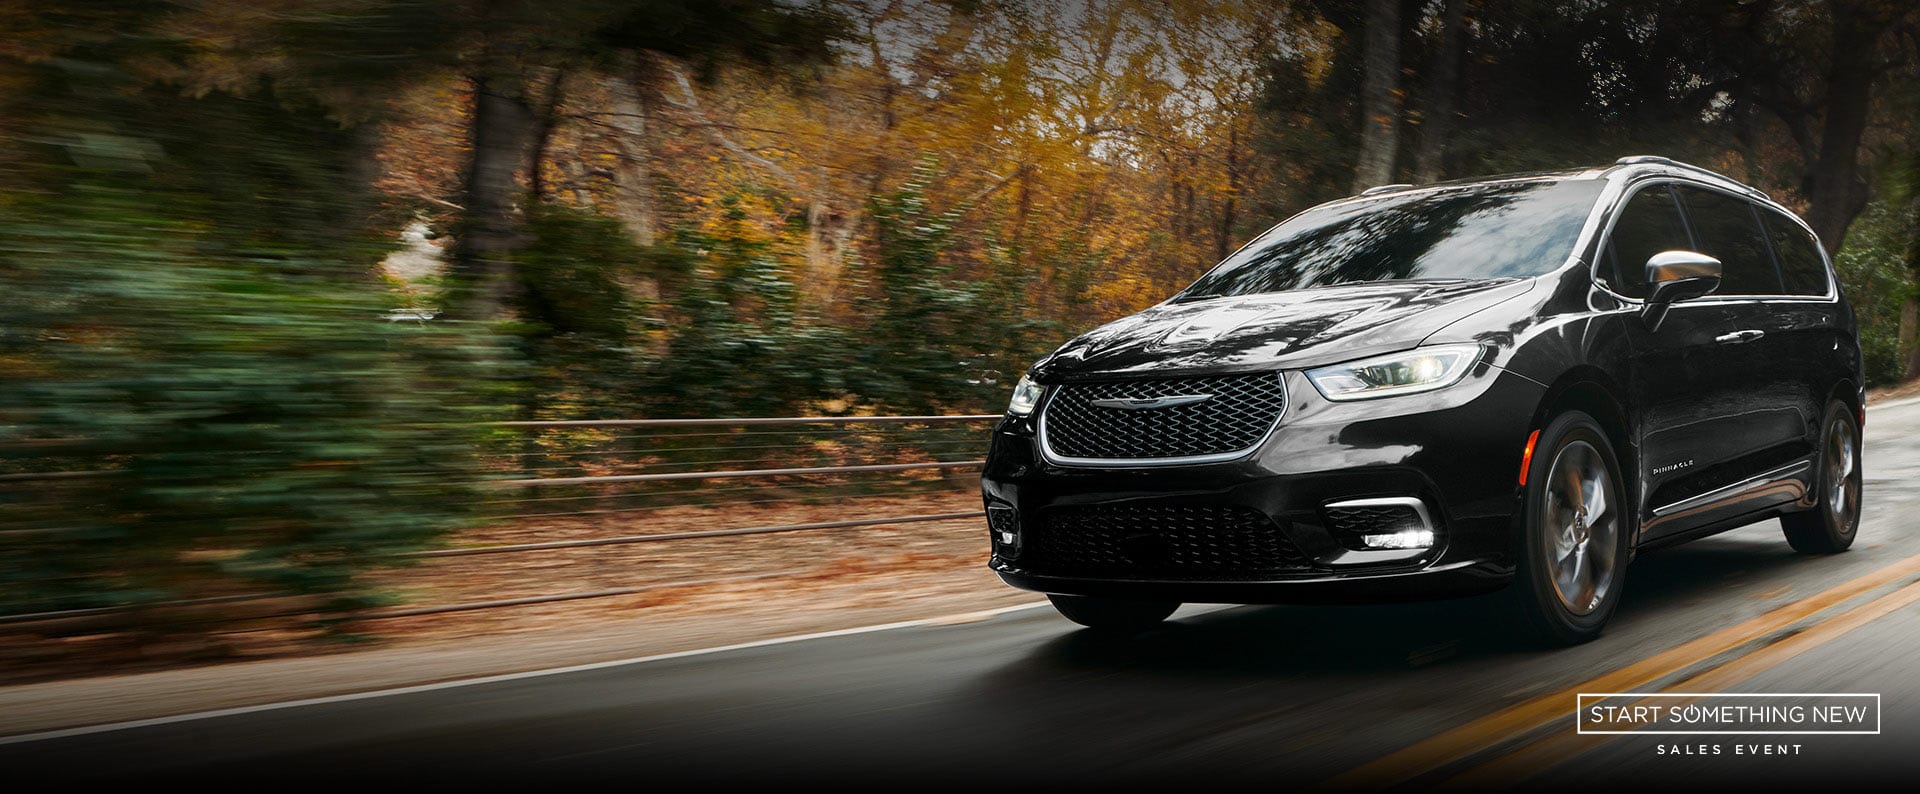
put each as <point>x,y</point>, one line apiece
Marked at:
<point>1405,539</point>
<point>1003,526</point>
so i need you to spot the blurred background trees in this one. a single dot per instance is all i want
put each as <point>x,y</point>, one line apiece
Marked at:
<point>224,224</point>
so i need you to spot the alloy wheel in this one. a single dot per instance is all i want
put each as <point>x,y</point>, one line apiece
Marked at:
<point>1843,473</point>
<point>1581,525</point>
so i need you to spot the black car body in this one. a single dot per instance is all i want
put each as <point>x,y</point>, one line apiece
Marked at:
<point>1578,293</point>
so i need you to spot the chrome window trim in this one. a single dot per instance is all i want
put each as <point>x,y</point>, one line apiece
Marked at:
<point>1047,454</point>
<point>1635,185</point>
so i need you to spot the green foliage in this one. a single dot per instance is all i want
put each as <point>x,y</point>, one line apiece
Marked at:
<point>931,335</point>
<point>570,274</point>
<point>736,346</point>
<point>769,35</point>
<point>577,317</point>
<point>1014,332</point>
<point>918,337</point>
<point>191,312</point>
<point>1875,275</point>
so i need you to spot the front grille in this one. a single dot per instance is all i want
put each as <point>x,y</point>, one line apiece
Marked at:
<point>1373,519</point>
<point>1219,543</point>
<point>1240,411</point>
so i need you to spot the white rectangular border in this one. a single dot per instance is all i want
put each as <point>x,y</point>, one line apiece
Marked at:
<point>1579,704</point>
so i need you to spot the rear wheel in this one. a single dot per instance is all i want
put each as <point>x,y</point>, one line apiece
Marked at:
<point>1830,526</point>
<point>1574,535</point>
<point>1113,614</point>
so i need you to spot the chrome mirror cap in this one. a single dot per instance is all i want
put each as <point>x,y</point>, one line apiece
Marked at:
<point>1678,265</point>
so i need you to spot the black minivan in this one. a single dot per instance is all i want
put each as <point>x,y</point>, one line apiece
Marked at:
<point>1442,390</point>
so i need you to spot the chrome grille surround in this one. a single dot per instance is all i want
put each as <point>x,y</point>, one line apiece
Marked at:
<point>1243,411</point>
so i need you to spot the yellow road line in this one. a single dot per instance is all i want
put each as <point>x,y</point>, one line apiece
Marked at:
<point>1460,743</point>
<point>1560,747</point>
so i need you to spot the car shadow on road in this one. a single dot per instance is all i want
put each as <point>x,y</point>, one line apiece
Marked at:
<point>1381,638</point>
<point>1309,691</point>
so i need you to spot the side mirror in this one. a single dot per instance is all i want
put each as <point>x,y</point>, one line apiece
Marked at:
<point>1674,276</point>
<point>1677,276</point>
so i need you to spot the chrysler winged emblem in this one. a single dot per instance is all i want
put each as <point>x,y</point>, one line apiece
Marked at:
<point>1140,403</point>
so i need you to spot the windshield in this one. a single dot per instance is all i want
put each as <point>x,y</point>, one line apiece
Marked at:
<point>1487,230</point>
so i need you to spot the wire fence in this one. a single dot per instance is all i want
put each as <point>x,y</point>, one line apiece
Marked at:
<point>574,485</point>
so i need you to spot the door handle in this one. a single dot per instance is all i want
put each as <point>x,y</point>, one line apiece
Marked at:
<point>1739,336</point>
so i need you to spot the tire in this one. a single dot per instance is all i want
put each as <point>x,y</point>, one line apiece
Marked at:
<point>1829,527</point>
<point>1113,614</point>
<point>1576,532</point>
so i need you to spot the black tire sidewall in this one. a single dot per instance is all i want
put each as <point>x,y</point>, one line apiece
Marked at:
<point>1549,618</point>
<point>1816,524</point>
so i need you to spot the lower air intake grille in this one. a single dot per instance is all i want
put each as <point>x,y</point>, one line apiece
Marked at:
<point>1177,543</point>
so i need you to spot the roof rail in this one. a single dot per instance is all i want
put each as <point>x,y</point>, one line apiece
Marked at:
<point>1654,159</point>
<point>1378,189</point>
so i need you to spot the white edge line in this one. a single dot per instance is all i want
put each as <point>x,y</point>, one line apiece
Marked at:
<point>941,621</point>
<point>1579,701</point>
<point>944,620</point>
<point>1894,403</point>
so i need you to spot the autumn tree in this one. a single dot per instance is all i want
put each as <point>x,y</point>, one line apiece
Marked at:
<point>510,42</point>
<point>1379,95</point>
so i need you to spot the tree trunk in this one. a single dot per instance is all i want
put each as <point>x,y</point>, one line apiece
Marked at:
<point>1022,209</point>
<point>1379,106</point>
<point>633,174</point>
<point>822,277</point>
<point>543,126</point>
<point>1836,192</point>
<point>502,127</point>
<point>1443,94</point>
<point>1223,232</point>
<point>1909,329</point>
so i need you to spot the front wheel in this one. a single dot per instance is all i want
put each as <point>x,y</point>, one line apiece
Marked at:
<point>1113,614</point>
<point>1830,526</point>
<point>1574,533</point>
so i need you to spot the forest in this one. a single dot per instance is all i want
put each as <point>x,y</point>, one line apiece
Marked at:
<point>275,265</point>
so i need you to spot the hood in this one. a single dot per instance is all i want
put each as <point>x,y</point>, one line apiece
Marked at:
<point>1298,328</point>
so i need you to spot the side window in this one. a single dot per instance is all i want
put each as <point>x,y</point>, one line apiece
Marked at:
<point>1649,223</point>
<point>1727,229</point>
<point>1799,256</point>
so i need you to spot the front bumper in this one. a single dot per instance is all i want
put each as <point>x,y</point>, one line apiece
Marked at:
<point>1458,450</point>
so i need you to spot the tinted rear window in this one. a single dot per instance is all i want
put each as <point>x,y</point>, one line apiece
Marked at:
<point>1489,230</point>
<point>1799,256</point>
<point>1727,228</point>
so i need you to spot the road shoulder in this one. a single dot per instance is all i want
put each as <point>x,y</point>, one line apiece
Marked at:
<point>65,704</point>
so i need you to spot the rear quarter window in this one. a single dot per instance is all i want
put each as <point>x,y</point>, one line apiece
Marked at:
<point>1801,266</point>
<point>1728,229</point>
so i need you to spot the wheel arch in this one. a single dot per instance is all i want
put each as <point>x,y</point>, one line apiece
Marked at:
<point>1591,390</point>
<point>1848,392</point>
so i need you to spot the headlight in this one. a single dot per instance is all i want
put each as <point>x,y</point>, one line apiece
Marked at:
<point>1026,395</point>
<point>1410,372</point>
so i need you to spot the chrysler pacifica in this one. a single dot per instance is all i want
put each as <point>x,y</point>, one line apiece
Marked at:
<point>1515,382</point>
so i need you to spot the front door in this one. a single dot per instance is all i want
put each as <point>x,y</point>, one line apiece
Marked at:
<point>1686,374</point>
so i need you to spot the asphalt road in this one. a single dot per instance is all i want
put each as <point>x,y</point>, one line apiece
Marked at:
<point>1361,696</point>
